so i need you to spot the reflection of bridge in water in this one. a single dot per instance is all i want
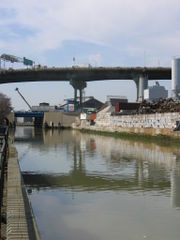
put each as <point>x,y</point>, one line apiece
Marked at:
<point>149,163</point>
<point>76,180</point>
<point>79,179</point>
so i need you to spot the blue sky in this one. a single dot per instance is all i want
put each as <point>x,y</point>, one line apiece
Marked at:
<point>96,32</point>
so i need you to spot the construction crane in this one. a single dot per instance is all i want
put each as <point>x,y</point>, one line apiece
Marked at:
<point>17,89</point>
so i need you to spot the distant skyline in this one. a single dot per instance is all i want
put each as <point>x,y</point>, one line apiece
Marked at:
<point>100,33</point>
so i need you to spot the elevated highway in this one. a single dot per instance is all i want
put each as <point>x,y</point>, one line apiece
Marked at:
<point>78,76</point>
<point>87,74</point>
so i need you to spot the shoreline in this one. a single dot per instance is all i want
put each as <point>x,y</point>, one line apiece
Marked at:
<point>160,138</point>
<point>20,217</point>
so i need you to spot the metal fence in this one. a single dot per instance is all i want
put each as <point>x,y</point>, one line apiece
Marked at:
<point>3,160</point>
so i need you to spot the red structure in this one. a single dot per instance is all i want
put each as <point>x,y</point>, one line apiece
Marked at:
<point>126,106</point>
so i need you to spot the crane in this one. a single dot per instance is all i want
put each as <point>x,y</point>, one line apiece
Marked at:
<point>17,89</point>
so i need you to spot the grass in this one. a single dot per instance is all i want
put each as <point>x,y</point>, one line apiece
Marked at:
<point>145,138</point>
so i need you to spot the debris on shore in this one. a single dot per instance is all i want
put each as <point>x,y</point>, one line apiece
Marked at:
<point>160,106</point>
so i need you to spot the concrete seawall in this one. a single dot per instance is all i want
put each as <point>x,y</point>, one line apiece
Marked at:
<point>142,131</point>
<point>148,124</point>
<point>20,221</point>
<point>155,121</point>
<point>59,119</point>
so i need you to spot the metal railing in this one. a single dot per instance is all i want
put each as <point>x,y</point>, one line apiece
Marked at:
<point>3,161</point>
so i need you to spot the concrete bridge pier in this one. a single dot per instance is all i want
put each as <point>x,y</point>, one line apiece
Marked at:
<point>75,98</point>
<point>80,97</point>
<point>78,85</point>
<point>141,84</point>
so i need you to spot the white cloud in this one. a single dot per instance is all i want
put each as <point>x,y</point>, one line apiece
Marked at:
<point>138,25</point>
<point>95,59</point>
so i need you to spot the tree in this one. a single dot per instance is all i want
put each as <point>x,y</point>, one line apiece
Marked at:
<point>5,107</point>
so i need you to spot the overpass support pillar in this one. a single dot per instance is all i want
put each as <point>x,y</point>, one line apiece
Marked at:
<point>78,85</point>
<point>75,98</point>
<point>80,98</point>
<point>142,84</point>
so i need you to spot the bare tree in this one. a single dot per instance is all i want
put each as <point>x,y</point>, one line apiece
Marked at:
<point>5,106</point>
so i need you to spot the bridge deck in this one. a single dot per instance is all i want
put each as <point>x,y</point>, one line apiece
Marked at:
<point>29,114</point>
<point>86,74</point>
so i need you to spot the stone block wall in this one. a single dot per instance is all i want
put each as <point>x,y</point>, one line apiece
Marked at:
<point>156,121</point>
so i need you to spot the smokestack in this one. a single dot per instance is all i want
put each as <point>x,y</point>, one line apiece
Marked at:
<point>175,77</point>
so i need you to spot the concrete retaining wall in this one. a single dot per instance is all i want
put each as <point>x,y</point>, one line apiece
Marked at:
<point>157,121</point>
<point>59,119</point>
<point>11,118</point>
<point>20,220</point>
<point>150,124</point>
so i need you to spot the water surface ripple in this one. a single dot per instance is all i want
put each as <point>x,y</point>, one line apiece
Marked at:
<point>85,186</point>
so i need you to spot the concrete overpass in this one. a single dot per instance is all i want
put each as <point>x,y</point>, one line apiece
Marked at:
<point>78,76</point>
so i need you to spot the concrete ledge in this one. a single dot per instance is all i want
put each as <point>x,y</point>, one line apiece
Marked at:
<point>20,222</point>
<point>136,131</point>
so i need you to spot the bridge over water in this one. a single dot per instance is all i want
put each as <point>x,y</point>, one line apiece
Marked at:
<point>78,76</point>
<point>29,114</point>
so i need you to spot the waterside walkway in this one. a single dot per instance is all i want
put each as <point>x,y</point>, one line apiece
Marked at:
<point>20,221</point>
<point>17,220</point>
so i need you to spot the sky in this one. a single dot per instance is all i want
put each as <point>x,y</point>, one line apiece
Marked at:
<point>97,32</point>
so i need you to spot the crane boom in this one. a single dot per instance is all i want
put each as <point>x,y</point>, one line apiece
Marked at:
<point>23,98</point>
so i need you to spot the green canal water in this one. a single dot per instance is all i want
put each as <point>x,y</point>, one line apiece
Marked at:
<point>90,187</point>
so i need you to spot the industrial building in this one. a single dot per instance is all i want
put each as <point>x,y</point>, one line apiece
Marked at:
<point>113,99</point>
<point>126,107</point>
<point>92,105</point>
<point>89,104</point>
<point>43,107</point>
<point>155,92</point>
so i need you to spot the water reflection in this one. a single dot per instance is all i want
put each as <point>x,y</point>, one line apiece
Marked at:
<point>92,187</point>
<point>98,163</point>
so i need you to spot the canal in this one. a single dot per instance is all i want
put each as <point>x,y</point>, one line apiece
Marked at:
<point>91,187</point>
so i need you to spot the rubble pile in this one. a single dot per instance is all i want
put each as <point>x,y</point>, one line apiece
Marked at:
<point>161,106</point>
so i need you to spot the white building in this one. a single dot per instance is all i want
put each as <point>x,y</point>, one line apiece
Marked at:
<point>43,107</point>
<point>155,92</point>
